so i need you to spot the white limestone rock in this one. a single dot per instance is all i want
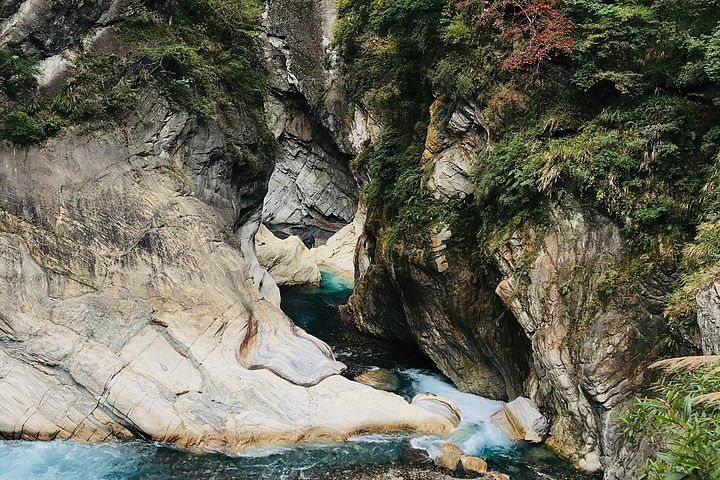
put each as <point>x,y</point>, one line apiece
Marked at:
<point>338,253</point>
<point>128,306</point>
<point>440,406</point>
<point>288,260</point>
<point>522,420</point>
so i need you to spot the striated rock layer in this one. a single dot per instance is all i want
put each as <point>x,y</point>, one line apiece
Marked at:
<point>308,112</point>
<point>127,308</point>
<point>132,304</point>
<point>525,317</point>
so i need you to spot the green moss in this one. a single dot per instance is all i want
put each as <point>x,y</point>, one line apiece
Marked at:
<point>99,90</point>
<point>701,267</point>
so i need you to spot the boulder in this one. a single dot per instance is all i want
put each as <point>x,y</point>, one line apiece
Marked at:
<point>472,464</point>
<point>438,405</point>
<point>288,260</point>
<point>449,457</point>
<point>522,420</point>
<point>337,255</point>
<point>380,378</point>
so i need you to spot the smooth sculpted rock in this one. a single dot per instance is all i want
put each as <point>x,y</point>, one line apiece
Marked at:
<point>449,457</point>
<point>522,420</point>
<point>130,306</point>
<point>337,255</point>
<point>439,406</point>
<point>380,378</point>
<point>288,260</point>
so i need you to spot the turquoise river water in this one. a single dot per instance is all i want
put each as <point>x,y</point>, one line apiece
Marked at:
<point>316,310</point>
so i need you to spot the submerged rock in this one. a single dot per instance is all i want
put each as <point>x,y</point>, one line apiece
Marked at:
<point>380,378</point>
<point>496,476</point>
<point>415,455</point>
<point>288,260</point>
<point>522,420</point>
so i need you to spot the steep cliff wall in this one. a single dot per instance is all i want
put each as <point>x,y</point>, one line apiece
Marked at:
<point>530,314</point>
<point>308,112</point>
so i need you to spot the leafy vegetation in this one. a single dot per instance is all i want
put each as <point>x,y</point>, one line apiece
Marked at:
<point>682,418</point>
<point>616,103</point>
<point>199,53</point>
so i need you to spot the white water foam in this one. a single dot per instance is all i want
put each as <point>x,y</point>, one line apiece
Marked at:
<point>60,460</point>
<point>476,434</point>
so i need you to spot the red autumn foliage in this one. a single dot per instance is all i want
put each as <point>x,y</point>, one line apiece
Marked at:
<point>535,31</point>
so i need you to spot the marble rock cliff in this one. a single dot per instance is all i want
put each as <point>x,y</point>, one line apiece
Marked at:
<point>525,317</point>
<point>308,112</point>
<point>132,303</point>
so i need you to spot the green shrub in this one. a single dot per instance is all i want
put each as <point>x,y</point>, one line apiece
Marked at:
<point>17,74</point>
<point>199,53</point>
<point>682,419</point>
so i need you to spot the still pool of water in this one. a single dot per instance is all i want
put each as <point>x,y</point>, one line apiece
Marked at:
<point>315,309</point>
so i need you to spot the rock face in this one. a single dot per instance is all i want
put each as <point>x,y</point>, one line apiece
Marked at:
<point>450,148</point>
<point>579,358</point>
<point>522,420</point>
<point>708,312</point>
<point>288,260</point>
<point>132,303</point>
<point>308,113</point>
<point>589,358</point>
<point>127,308</point>
<point>338,253</point>
<point>449,311</point>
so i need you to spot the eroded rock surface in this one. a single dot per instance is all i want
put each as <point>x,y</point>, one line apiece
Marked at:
<point>586,357</point>
<point>288,260</point>
<point>308,112</point>
<point>446,308</point>
<point>708,312</point>
<point>338,253</point>
<point>132,303</point>
<point>450,148</point>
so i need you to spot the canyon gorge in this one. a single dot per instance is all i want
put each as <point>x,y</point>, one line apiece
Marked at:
<point>169,171</point>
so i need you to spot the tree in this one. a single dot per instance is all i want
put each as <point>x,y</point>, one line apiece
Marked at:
<point>534,30</point>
